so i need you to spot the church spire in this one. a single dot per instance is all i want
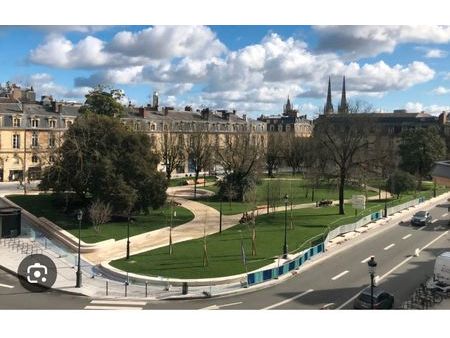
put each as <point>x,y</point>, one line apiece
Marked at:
<point>343,107</point>
<point>328,108</point>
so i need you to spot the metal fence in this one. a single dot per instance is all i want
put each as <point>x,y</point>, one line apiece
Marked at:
<point>269,274</point>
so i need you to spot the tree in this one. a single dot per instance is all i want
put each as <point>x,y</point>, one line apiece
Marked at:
<point>103,102</point>
<point>200,153</point>
<point>419,149</point>
<point>99,213</point>
<point>274,153</point>
<point>295,152</point>
<point>241,156</point>
<point>172,152</point>
<point>101,159</point>
<point>345,140</point>
<point>400,181</point>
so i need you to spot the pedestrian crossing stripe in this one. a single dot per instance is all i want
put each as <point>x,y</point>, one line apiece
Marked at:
<point>105,304</point>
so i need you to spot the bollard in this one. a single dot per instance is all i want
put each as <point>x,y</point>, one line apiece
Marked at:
<point>146,289</point>
<point>107,288</point>
<point>126,289</point>
<point>184,288</point>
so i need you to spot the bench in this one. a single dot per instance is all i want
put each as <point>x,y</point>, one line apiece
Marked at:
<point>192,182</point>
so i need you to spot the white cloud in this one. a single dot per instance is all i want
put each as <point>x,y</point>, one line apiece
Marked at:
<point>433,109</point>
<point>164,42</point>
<point>362,41</point>
<point>44,84</point>
<point>436,53</point>
<point>441,90</point>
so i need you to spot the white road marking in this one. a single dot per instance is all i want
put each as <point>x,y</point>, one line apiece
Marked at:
<point>366,259</point>
<point>407,236</point>
<point>422,228</point>
<point>444,215</point>
<point>393,269</point>
<point>340,275</point>
<point>326,306</point>
<point>95,307</point>
<point>118,302</point>
<point>389,246</point>
<point>6,286</point>
<point>216,307</point>
<point>434,221</point>
<point>288,300</point>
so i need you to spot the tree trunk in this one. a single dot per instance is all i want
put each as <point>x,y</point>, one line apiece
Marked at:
<point>341,192</point>
<point>197,173</point>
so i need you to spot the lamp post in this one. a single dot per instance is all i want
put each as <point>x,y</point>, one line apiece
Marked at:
<point>372,265</point>
<point>128,235</point>
<point>385,201</point>
<point>434,189</point>
<point>220,215</point>
<point>285,247</point>
<point>79,277</point>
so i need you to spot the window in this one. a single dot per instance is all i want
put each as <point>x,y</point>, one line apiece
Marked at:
<point>51,140</point>
<point>51,159</point>
<point>16,122</point>
<point>272,127</point>
<point>16,141</point>
<point>152,127</point>
<point>288,127</point>
<point>34,159</point>
<point>68,123</point>
<point>34,123</point>
<point>52,123</point>
<point>34,139</point>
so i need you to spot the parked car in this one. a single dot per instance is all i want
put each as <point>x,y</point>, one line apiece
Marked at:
<point>421,218</point>
<point>381,300</point>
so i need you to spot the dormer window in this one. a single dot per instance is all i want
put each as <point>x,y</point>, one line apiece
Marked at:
<point>16,122</point>
<point>68,123</point>
<point>34,123</point>
<point>52,123</point>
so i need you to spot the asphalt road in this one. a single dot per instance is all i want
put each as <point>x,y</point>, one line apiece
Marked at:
<point>337,280</point>
<point>332,282</point>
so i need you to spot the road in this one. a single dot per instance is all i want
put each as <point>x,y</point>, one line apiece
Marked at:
<point>332,282</point>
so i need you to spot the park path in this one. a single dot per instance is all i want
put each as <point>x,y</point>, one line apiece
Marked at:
<point>206,220</point>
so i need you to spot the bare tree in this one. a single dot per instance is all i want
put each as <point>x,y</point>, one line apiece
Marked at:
<point>99,213</point>
<point>274,155</point>
<point>172,152</point>
<point>200,152</point>
<point>294,152</point>
<point>345,139</point>
<point>241,156</point>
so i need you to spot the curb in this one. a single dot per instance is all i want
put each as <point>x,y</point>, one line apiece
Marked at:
<point>14,273</point>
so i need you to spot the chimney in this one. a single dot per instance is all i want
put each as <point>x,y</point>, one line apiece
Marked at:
<point>205,114</point>
<point>166,111</point>
<point>244,117</point>
<point>143,112</point>
<point>443,118</point>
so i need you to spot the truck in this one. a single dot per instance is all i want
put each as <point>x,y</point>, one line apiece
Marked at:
<point>442,268</point>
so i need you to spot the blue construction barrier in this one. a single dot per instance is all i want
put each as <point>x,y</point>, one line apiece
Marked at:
<point>269,274</point>
<point>376,215</point>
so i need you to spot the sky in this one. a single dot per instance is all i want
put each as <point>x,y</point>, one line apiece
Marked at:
<point>252,69</point>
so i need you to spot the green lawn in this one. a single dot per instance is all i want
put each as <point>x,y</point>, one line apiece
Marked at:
<point>176,182</point>
<point>299,191</point>
<point>46,206</point>
<point>224,251</point>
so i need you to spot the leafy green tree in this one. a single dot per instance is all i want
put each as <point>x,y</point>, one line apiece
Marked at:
<point>101,159</point>
<point>419,149</point>
<point>102,101</point>
<point>400,181</point>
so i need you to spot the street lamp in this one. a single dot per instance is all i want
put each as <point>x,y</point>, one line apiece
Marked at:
<point>220,215</point>
<point>285,247</point>
<point>372,265</point>
<point>79,218</point>
<point>128,235</point>
<point>385,201</point>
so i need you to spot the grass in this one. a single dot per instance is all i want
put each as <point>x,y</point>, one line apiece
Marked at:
<point>298,190</point>
<point>46,205</point>
<point>177,182</point>
<point>224,250</point>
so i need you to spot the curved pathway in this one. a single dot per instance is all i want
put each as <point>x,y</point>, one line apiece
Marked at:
<point>206,219</point>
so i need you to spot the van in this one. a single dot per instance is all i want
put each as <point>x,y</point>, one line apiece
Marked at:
<point>442,268</point>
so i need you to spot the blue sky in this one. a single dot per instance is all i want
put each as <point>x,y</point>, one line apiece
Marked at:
<point>249,68</point>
